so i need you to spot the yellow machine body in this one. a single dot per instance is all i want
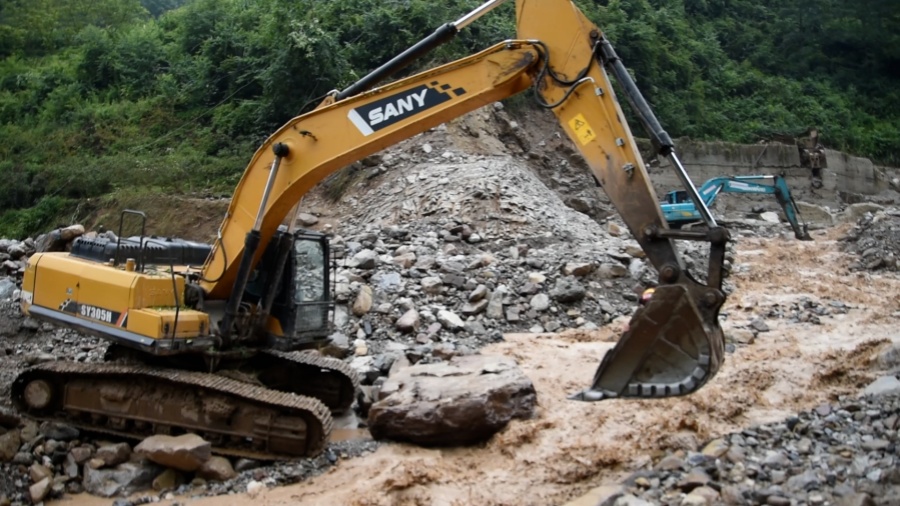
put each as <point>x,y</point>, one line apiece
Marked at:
<point>107,300</point>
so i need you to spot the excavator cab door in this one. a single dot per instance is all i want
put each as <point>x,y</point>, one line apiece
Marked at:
<point>300,314</point>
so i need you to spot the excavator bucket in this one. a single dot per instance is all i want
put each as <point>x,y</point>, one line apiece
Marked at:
<point>671,348</point>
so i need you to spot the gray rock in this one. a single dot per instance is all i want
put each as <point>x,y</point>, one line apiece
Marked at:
<point>885,385</point>
<point>450,320</point>
<point>540,302</point>
<point>306,219</point>
<point>7,288</point>
<point>124,479</point>
<point>59,431</point>
<point>479,293</point>
<point>464,401</point>
<point>365,259</point>
<point>474,308</point>
<point>432,285</point>
<point>567,290</point>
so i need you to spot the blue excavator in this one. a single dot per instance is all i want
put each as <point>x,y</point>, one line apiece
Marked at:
<point>679,209</point>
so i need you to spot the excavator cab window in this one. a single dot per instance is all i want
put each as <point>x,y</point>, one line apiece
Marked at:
<point>304,302</point>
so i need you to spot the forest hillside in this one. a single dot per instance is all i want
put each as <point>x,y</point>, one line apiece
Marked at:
<point>105,98</point>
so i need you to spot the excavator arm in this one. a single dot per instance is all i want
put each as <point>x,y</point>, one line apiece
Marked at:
<point>683,212</point>
<point>673,345</point>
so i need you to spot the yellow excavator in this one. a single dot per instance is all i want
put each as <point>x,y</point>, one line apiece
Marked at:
<point>207,338</point>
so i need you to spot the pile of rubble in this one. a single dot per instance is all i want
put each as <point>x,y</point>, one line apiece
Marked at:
<point>876,239</point>
<point>842,452</point>
<point>48,460</point>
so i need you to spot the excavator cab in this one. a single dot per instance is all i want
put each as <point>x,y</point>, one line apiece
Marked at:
<point>292,298</point>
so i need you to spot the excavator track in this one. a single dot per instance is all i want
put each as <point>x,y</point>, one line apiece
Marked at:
<point>136,401</point>
<point>328,379</point>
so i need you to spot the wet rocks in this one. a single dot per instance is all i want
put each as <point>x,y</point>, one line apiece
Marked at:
<point>463,401</point>
<point>124,479</point>
<point>875,239</point>
<point>841,453</point>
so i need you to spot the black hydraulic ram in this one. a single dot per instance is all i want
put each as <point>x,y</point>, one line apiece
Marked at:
<point>251,244</point>
<point>402,60</point>
<point>660,138</point>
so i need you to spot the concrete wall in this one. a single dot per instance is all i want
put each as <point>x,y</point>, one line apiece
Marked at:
<point>704,160</point>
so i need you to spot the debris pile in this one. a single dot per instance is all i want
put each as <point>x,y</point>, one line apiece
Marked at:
<point>837,453</point>
<point>876,240</point>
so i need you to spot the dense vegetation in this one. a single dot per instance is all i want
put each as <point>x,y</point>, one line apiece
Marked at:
<point>100,96</point>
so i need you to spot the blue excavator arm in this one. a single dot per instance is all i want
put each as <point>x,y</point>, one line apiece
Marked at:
<point>679,210</point>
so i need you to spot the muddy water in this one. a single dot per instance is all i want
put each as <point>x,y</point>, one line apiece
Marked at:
<point>570,447</point>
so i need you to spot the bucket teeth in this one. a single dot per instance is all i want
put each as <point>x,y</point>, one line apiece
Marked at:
<point>671,348</point>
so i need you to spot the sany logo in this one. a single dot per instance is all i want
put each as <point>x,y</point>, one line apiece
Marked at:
<point>384,112</point>
<point>402,105</point>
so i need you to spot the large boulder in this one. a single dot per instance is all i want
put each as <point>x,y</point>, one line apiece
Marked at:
<point>460,402</point>
<point>186,452</point>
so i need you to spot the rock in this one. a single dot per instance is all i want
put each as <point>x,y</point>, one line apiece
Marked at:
<point>478,294</point>
<point>7,288</point>
<point>39,490</point>
<point>614,230</point>
<point>123,479</point>
<point>9,445</point>
<point>71,232</point>
<point>464,401</point>
<point>59,431</point>
<point>495,304</point>
<point>885,385</point>
<point>365,259</point>
<point>306,219</point>
<point>254,488</point>
<point>474,308</point>
<point>363,302</point>
<point>405,260</point>
<point>567,290</point>
<point>186,452</point>
<point>759,325</point>
<point>812,213</point>
<point>113,454</point>
<point>169,479</point>
<point>217,469</point>
<point>715,448</point>
<point>246,464</point>
<point>81,454</point>
<point>770,217</point>
<point>540,302</point>
<point>578,269</point>
<point>409,322</point>
<point>741,336</point>
<point>450,320</point>
<point>432,285</point>
<point>38,472</point>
